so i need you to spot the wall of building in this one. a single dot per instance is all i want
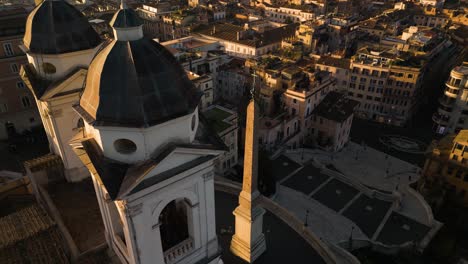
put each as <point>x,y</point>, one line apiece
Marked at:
<point>17,107</point>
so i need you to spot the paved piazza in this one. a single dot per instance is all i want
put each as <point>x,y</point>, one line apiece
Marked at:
<point>360,198</point>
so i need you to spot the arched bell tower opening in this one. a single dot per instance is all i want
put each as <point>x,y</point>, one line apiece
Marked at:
<point>176,229</point>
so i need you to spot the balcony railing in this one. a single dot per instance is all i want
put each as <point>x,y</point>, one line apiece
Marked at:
<point>178,251</point>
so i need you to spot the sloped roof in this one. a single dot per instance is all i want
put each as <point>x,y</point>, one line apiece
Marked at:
<point>29,235</point>
<point>136,84</point>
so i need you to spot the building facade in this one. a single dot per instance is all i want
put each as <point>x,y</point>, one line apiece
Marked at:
<point>55,74</point>
<point>445,170</point>
<point>17,109</point>
<point>332,120</point>
<point>152,173</point>
<point>452,115</point>
<point>388,91</point>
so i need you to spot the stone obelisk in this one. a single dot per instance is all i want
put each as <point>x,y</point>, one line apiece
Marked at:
<point>248,242</point>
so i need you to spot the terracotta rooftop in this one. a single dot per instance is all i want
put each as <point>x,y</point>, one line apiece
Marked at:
<point>30,236</point>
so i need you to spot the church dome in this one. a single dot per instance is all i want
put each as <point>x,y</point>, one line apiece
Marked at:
<point>125,18</point>
<point>136,82</point>
<point>56,27</point>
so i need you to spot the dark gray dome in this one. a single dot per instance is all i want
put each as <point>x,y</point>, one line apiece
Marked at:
<point>136,84</point>
<point>56,27</point>
<point>126,18</point>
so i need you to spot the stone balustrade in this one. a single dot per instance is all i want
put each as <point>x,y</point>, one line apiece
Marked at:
<point>178,251</point>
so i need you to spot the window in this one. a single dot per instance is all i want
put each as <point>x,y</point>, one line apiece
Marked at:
<point>455,157</point>
<point>20,85</point>
<point>8,49</point>
<point>14,68</point>
<point>26,102</point>
<point>3,108</point>
<point>125,146</point>
<point>49,68</point>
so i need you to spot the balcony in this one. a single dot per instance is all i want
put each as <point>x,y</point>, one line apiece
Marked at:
<point>451,92</point>
<point>178,251</point>
<point>440,119</point>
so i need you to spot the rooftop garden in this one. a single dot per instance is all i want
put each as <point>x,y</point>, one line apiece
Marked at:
<point>215,117</point>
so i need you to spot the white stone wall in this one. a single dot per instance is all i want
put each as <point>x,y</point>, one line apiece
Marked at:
<point>197,187</point>
<point>147,140</point>
<point>63,63</point>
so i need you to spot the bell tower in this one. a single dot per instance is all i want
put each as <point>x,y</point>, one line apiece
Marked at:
<point>59,44</point>
<point>151,162</point>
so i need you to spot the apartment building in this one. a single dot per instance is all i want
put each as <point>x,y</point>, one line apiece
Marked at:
<point>233,81</point>
<point>338,67</point>
<point>386,83</point>
<point>152,16</point>
<point>290,13</point>
<point>18,112</point>
<point>452,114</point>
<point>280,132</point>
<point>247,43</point>
<point>205,84</point>
<point>303,97</point>
<point>446,169</point>
<point>199,55</point>
<point>332,120</point>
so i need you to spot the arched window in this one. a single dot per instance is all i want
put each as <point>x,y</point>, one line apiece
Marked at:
<point>173,224</point>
